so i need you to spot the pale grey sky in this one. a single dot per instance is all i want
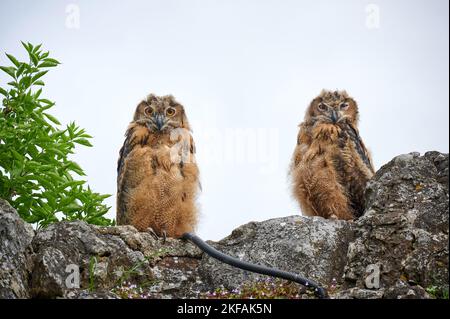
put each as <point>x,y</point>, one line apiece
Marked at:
<point>245,71</point>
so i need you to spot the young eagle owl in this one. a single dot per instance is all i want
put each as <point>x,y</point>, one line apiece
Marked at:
<point>331,166</point>
<point>157,179</point>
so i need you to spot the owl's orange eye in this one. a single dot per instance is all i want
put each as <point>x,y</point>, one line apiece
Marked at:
<point>170,111</point>
<point>322,107</point>
<point>149,111</point>
<point>344,106</point>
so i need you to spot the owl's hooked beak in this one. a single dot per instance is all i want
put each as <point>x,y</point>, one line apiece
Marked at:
<point>159,120</point>
<point>334,116</point>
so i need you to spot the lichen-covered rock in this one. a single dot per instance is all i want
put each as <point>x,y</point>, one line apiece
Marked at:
<point>312,247</point>
<point>401,290</point>
<point>86,294</point>
<point>15,253</point>
<point>358,293</point>
<point>75,255</point>
<point>404,231</point>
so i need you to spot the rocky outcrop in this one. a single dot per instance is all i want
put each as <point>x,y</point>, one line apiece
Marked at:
<point>108,257</point>
<point>398,249</point>
<point>15,253</point>
<point>314,247</point>
<point>403,234</point>
<point>75,255</point>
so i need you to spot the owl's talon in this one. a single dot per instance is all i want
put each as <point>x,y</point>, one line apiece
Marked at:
<point>153,233</point>
<point>164,236</point>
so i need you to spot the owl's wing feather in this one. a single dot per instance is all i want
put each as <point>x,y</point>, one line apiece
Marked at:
<point>360,147</point>
<point>193,150</point>
<point>125,150</point>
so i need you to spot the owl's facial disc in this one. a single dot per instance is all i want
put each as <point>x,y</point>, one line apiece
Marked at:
<point>332,113</point>
<point>162,120</point>
<point>329,112</point>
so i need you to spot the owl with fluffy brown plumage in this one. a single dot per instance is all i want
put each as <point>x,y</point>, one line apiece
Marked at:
<point>331,165</point>
<point>158,178</point>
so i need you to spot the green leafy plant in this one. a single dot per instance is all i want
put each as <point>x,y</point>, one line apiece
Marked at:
<point>438,292</point>
<point>36,173</point>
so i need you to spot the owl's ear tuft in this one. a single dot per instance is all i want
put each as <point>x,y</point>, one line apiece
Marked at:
<point>151,97</point>
<point>172,101</point>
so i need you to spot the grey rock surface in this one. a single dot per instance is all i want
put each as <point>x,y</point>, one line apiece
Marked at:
<point>312,247</point>
<point>107,258</point>
<point>15,253</point>
<point>404,231</point>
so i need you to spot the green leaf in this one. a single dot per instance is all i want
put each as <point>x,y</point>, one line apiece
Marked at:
<point>38,75</point>
<point>56,151</point>
<point>37,48</point>
<point>37,94</point>
<point>34,59</point>
<point>34,218</point>
<point>47,65</point>
<point>46,107</point>
<point>104,196</point>
<point>17,156</point>
<point>52,118</point>
<point>48,102</point>
<point>38,119</point>
<point>25,82</point>
<point>9,70</point>
<point>13,59</point>
<point>74,183</point>
<point>3,92</point>
<point>39,82</point>
<point>16,85</point>
<point>27,46</point>
<point>54,61</point>
<point>20,69</point>
<point>74,167</point>
<point>82,141</point>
